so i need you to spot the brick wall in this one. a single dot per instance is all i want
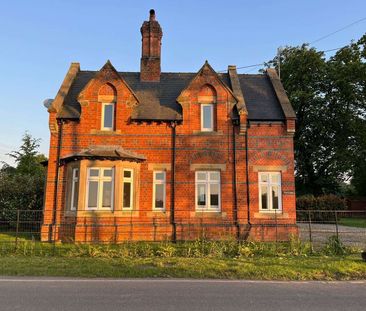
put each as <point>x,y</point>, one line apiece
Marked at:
<point>269,148</point>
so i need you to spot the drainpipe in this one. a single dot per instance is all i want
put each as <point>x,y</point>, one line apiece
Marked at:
<point>236,223</point>
<point>59,146</point>
<point>247,173</point>
<point>172,193</point>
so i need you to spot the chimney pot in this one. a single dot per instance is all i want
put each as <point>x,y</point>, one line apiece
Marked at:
<point>152,15</point>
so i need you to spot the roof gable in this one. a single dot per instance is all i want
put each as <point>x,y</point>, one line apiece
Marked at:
<point>204,76</point>
<point>105,75</point>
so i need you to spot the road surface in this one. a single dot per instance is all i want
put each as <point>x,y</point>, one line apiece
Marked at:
<point>41,294</point>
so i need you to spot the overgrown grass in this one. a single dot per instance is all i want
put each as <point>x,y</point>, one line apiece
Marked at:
<point>259,268</point>
<point>293,260</point>
<point>353,222</point>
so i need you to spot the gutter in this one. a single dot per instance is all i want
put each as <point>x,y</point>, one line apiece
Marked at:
<point>236,223</point>
<point>59,146</point>
<point>172,193</point>
<point>247,175</point>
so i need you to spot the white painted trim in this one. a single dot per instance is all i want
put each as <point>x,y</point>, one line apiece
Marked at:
<point>159,182</point>
<point>207,184</point>
<point>129,180</point>
<point>102,127</point>
<point>269,184</point>
<point>100,179</point>
<point>210,129</point>
<point>73,181</point>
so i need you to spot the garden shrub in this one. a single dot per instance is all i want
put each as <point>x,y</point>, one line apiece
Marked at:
<point>322,207</point>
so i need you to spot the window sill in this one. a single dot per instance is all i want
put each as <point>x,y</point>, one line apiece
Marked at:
<point>271,215</point>
<point>208,133</point>
<point>208,214</point>
<point>105,132</point>
<point>104,213</point>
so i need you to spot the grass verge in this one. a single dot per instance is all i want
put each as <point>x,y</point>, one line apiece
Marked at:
<point>353,222</point>
<point>259,268</point>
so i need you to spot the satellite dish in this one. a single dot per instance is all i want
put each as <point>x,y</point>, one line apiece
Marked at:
<point>47,102</point>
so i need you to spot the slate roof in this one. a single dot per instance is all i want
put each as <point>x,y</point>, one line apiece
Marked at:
<point>105,152</point>
<point>157,100</point>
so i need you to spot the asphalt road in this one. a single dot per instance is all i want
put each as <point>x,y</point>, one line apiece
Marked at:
<point>28,294</point>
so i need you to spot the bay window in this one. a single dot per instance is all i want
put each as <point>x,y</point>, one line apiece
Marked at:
<point>100,186</point>
<point>74,189</point>
<point>127,189</point>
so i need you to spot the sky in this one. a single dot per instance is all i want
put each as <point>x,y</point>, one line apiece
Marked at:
<point>39,39</point>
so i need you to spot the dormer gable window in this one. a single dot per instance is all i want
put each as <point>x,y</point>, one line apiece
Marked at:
<point>107,116</point>
<point>207,100</point>
<point>107,96</point>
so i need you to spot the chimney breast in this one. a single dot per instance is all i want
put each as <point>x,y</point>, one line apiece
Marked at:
<point>151,49</point>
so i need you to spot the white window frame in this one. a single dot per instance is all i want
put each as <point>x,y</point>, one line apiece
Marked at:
<point>269,184</point>
<point>207,129</point>
<point>207,184</point>
<point>100,179</point>
<point>104,128</point>
<point>74,180</point>
<point>159,182</point>
<point>129,180</point>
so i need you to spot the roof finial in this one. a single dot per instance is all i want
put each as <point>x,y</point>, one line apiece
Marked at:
<point>152,15</point>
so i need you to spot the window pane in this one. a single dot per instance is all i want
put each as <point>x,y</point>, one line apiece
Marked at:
<point>74,203</point>
<point>93,194</point>
<point>107,173</point>
<point>214,195</point>
<point>201,195</point>
<point>275,197</point>
<point>275,178</point>
<point>127,195</point>
<point>107,194</point>
<point>263,177</point>
<point>76,173</point>
<point>207,117</point>
<point>127,174</point>
<point>159,196</point>
<point>201,176</point>
<point>108,116</point>
<point>214,176</point>
<point>94,172</point>
<point>159,176</point>
<point>264,197</point>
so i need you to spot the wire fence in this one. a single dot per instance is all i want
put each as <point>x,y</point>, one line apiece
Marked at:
<point>313,226</point>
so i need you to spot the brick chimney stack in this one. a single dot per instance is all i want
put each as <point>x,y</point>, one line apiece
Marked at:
<point>151,49</point>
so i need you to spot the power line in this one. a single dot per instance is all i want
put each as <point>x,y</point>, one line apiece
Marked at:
<point>334,32</point>
<point>317,40</point>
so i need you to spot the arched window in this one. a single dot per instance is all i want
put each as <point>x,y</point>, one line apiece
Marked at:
<point>207,99</point>
<point>108,96</point>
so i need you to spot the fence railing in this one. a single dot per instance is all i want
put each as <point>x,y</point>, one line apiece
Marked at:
<point>313,226</point>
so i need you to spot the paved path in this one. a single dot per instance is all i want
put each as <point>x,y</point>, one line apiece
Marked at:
<point>321,232</point>
<point>41,294</point>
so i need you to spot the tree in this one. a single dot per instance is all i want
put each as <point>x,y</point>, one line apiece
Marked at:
<point>329,98</point>
<point>22,186</point>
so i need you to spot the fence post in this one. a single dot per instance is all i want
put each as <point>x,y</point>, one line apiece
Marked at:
<point>336,223</point>
<point>276,228</point>
<point>17,230</point>
<point>310,233</point>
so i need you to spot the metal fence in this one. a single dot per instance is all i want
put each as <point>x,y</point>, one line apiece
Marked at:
<point>314,226</point>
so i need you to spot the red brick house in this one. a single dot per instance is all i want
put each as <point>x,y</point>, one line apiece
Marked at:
<point>151,155</point>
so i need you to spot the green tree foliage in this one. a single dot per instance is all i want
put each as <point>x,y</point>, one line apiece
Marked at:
<point>22,186</point>
<point>329,97</point>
